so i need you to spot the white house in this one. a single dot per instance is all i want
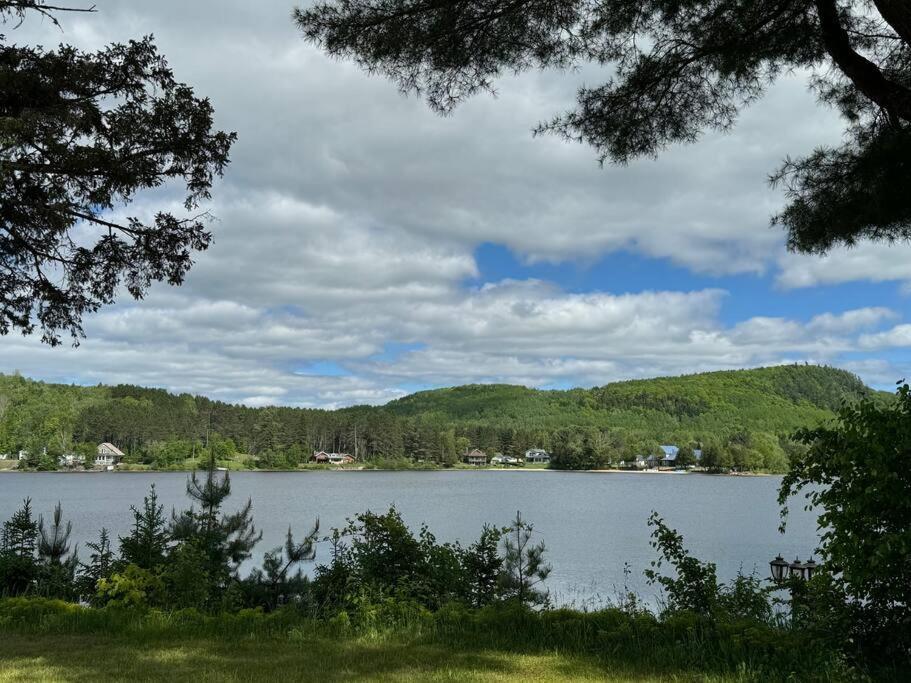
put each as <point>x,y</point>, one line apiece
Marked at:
<point>638,462</point>
<point>537,455</point>
<point>500,459</point>
<point>108,455</point>
<point>69,460</point>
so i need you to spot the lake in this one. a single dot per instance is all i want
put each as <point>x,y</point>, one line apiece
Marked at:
<point>592,523</point>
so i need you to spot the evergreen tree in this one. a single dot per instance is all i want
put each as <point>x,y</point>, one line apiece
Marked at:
<point>100,566</point>
<point>482,565</point>
<point>20,532</point>
<point>274,584</point>
<point>85,132</point>
<point>147,544</point>
<point>223,540</point>
<point>18,567</point>
<point>524,568</point>
<point>57,565</point>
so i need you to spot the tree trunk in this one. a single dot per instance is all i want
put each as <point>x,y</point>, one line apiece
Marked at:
<point>894,98</point>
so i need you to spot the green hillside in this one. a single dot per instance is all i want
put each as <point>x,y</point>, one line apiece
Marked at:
<point>749,414</point>
<point>775,399</point>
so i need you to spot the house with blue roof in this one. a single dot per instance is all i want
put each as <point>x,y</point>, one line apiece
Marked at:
<point>670,455</point>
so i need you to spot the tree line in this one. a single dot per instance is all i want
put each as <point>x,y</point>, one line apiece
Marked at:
<point>739,420</point>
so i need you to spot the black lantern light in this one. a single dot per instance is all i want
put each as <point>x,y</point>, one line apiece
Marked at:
<point>779,567</point>
<point>809,569</point>
<point>797,569</point>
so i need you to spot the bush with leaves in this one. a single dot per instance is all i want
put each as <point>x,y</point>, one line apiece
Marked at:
<point>383,557</point>
<point>856,473</point>
<point>132,588</point>
<point>695,588</point>
<point>481,565</point>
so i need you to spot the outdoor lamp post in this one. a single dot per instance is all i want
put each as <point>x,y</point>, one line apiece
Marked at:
<point>809,569</point>
<point>782,569</point>
<point>779,567</point>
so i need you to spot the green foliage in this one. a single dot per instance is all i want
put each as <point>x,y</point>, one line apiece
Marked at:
<point>695,586</point>
<point>685,457</point>
<point>187,580</point>
<point>133,588</point>
<point>502,642</point>
<point>83,133</point>
<point>385,558</point>
<point>856,473</point>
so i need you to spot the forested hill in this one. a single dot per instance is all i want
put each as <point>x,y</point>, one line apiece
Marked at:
<point>778,397</point>
<point>746,409</point>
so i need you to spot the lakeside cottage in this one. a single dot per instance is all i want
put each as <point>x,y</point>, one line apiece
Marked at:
<point>108,455</point>
<point>70,460</point>
<point>476,457</point>
<point>500,459</point>
<point>324,458</point>
<point>639,462</point>
<point>669,457</point>
<point>537,455</point>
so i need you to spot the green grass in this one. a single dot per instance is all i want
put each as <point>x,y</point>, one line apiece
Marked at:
<point>43,640</point>
<point>109,658</point>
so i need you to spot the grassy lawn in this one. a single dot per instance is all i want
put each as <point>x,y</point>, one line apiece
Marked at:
<point>105,658</point>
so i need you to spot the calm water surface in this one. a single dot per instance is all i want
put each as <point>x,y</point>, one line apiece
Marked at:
<point>592,523</point>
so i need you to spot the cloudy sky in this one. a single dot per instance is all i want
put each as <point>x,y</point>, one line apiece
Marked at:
<point>365,247</point>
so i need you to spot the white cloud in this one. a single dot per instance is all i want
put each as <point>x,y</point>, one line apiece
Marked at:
<point>876,262</point>
<point>898,336</point>
<point>348,219</point>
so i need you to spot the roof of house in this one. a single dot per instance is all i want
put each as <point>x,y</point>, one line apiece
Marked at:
<point>111,447</point>
<point>670,452</point>
<point>476,452</point>
<point>537,450</point>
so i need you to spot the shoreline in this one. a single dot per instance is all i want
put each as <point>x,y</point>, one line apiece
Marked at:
<point>379,469</point>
